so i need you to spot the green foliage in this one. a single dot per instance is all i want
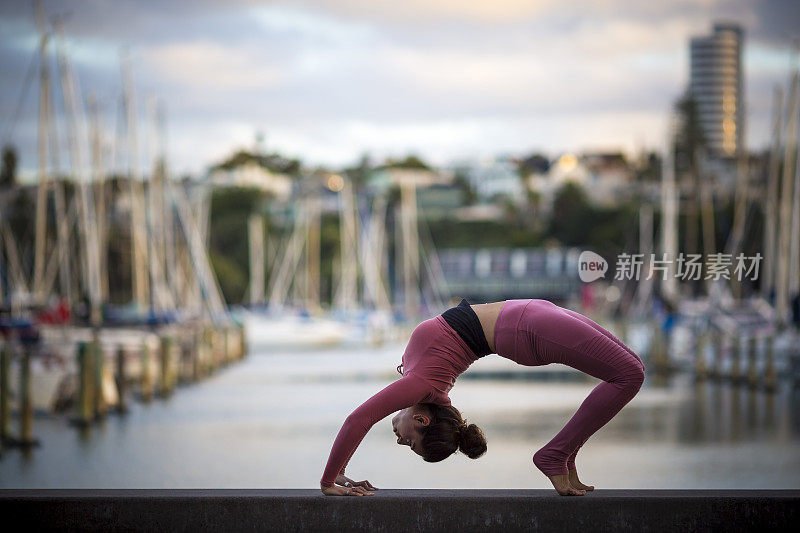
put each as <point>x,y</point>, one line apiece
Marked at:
<point>233,280</point>
<point>230,210</point>
<point>689,138</point>
<point>451,233</point>
<point>572,215</point>
<point>469,196</point>
<point>411,162</point>
<point>575,222</point>
<point>8,173</point>
<point>21,218</point>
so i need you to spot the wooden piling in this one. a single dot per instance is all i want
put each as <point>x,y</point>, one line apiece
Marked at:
<point>752,372</point>
<point>770,379</point>
<point>656,346</point>
<point>25,401</point>
<point>242,341</point>
<point>122,384</point>
<point>230,345</point>
<point>163,356</point>
<point>224,336</point>
<point>186,374</point>
<point>208,352</point>
<point>163,361</point>
<point>736,353</point>
<point>99,406</point>
<point>700,367</point>
<point>85,399</point>
<point>215,349</point>
<point>716,355</point>
<point>5,408</point>
<point>197,345</point>
<point>146,383</point>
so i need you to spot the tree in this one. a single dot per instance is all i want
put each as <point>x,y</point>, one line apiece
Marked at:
<point>411,162</point>
<point>572,215</point>
<point>8,174</point>
<point>690,145</point>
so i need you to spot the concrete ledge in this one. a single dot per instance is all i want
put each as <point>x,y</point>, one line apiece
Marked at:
<point>399,510</point>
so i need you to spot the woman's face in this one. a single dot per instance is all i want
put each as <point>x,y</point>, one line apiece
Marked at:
<point>406,425</point>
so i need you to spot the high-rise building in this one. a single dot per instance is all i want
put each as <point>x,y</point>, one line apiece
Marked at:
<point>716,85</point>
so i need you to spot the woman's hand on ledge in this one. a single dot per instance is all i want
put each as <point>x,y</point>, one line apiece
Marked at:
<point>345,491</point>
<point>345,481</point>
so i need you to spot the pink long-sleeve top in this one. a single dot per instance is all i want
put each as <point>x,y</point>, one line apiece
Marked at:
<point>434,357</point>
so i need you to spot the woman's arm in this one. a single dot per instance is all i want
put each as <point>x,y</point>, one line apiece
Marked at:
<point>402,393</point>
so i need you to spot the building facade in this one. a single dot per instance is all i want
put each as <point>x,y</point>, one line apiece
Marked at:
<point>716,85</point>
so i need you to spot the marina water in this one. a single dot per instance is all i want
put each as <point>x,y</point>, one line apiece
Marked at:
<point>270,420</point>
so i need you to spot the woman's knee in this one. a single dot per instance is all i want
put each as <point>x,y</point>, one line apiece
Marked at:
<point>636,377</point>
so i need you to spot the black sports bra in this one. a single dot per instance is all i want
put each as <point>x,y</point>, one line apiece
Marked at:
<point>465,322</point>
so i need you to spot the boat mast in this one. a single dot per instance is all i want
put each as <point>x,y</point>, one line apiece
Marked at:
<point>76,129</point>
<point>138,244</point>
<point>782,285</point>
<point>373,255</point>
<point>669,218</point>
<point>313,232</point>
<point>100,192</point>
<point>410,246</point>
<point>346,294</point>
<point>255,232</point>
<point>771,200</point>
<point>161,295</point>
<point>44,182</point>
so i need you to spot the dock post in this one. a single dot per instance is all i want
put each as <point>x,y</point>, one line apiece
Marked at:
<point>231,345</point>
<point>242,341</point>
<point>207,365</point>
<point>196,345</point>
<point>163,386</point>
<point>99,406</point>
<point>5,410</point>
<point>186,374</point>
<point>770,380</point>
<point>225,338</point>
<point>84,403</point>
<point>716,354</point>
<point>752,373</point>
<point>25,401</point>
<point>701,369</point>
<point>214,334</point>
<point>654,345</point>
<point>736,355</point>
<point>232,337</point>
<point>147,386</point>
<point>222,346</point>
<point>174,363</point>
<point>122,406</point>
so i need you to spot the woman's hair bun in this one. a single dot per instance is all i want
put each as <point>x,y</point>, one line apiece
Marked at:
<point>471,440</point>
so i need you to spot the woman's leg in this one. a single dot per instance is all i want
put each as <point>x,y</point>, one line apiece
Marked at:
<point>598,355</point>
<point>601,329</point>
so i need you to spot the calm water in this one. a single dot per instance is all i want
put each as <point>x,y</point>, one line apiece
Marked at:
<point>269,422</point>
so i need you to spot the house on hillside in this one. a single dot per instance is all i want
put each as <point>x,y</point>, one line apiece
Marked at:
<point>270,173</point>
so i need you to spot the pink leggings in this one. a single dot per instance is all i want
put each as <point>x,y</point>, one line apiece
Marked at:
<point>536,332</point>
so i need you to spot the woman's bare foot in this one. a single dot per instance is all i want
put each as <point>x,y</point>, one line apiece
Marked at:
<point>575,482</point>
<point>563,486</point>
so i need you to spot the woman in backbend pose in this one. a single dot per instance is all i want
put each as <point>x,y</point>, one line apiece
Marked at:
<point>531,332</point>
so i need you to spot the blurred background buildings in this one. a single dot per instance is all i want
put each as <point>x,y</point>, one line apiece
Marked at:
<point>151,232</point>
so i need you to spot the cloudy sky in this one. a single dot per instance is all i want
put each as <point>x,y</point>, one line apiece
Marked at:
<point>447,79</point>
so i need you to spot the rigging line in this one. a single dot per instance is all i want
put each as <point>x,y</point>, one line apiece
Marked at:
<point>21,101</point>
